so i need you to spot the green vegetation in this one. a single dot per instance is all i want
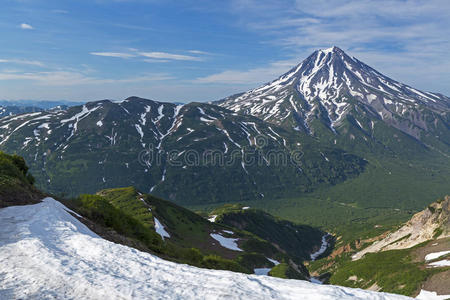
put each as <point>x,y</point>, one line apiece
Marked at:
<point>284,270</point>
<point>99,210</point>
<point>437,232</point>
<point>392,271</point>
<point>385,195</point>
<point>16,184</point>
<point>298,241</point>
<point>120,198</point>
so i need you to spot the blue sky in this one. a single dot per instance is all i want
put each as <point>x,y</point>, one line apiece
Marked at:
<point>206,50</point>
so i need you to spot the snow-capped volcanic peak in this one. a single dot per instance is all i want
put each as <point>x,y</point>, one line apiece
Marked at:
<point>330,79</point>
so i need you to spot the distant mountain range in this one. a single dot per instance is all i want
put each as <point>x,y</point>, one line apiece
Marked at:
<point>17,107</point>
<point>43,104</point>
<point>328,120</point>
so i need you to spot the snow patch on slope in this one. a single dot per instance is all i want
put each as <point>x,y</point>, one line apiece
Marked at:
<point>435,255</point>
<point>229,243</point>
<point>159,228</point>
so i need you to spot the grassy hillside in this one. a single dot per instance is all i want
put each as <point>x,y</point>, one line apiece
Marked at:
<point>16,184</point>
<point>133,214</point>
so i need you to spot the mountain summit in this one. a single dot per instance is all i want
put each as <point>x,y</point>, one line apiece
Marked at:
<point>329,82</point>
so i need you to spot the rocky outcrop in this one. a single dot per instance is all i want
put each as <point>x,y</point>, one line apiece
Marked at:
<point>432,222</point>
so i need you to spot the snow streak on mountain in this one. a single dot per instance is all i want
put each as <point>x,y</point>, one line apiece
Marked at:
<point>330,81</point>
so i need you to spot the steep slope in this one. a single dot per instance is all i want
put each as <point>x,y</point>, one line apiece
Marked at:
<point>332,87</point>
<point>45,252</point>
<point>181,153</point>
<point>432,222</point>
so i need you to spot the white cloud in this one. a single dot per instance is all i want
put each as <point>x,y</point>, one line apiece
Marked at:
<point>26,26</point>
<point>153,57</point>
<point>23,62</point>
<point>171,56</point>
<point>113,54</point>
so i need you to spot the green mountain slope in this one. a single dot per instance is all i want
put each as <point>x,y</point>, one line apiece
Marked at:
<point>181,153</point>
<point>298,241</point>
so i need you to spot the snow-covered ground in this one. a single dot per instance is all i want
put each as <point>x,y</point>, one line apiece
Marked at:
<point>46,253</point>
<point>229,243</point>
<point>159,228</point>
<point>440,263</point>
<point>212,219</point>
<point>262,271</point>
<point>426,295</point>
<point>435,255</point>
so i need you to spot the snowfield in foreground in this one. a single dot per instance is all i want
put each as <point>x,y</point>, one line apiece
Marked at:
<point>47,253</point>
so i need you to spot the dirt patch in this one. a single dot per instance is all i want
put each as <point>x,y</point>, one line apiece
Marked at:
<point>439,283</point>
<point>374,287</point>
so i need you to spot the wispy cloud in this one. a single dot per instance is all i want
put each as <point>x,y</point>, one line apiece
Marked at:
<point>60,11</point>
<point>171,56</point>
<point>246,77</point>
<point>113,54</point>
<point>67,78</point>
<point>23,62</point>
<point>26,26</point>
<point>154,57</point>
<point>199,52</point>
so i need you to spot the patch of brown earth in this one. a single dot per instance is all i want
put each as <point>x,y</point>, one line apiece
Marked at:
<point>439,283</point>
